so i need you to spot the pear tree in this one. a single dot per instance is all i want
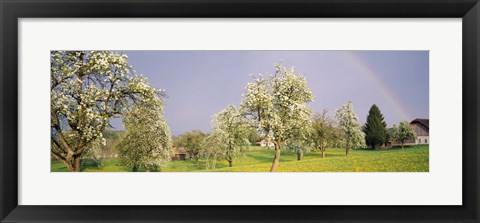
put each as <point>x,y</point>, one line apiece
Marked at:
<point>212,149</point>
<point>403,132</point>
<point>277,106</point>
<point>348,122</point>
<point>232,130</point>
<point>88,89</point>
<point>147,143</point>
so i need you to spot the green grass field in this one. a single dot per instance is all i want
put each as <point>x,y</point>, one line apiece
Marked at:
<point>258,159</point>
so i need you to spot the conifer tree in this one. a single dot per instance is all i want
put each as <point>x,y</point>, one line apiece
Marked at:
<point>375,128</point>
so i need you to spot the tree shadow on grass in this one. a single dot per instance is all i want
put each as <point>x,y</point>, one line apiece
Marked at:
<point>387,149</point>
<point>262,157</point>
<point>319,155</point>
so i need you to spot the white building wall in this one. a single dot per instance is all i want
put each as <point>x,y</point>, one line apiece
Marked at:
<point>267,144</point>
<point>422,140</point>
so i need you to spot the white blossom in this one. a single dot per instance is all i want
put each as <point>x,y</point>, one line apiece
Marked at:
<point>87,89</point>
<point>348,122</point>
<point>147,142</point>
<point>229,135</point>
<point>276,105</point>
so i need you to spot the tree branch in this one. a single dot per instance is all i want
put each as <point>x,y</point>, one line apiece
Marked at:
<point>56,125</point>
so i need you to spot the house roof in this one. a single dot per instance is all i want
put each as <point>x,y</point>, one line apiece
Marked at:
<point>179,150</point>
<point>422,121</point>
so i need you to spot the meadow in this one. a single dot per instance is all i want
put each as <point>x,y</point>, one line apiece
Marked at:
<point>258,159</point>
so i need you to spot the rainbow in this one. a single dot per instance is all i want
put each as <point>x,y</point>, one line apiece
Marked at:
<point>380,84</point>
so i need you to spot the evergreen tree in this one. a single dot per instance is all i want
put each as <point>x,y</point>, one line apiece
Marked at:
<point>375,128</point>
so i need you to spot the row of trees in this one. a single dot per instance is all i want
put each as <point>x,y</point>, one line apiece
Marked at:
<point>147,142</point>
<point>231,133</point>
<point>276,107</point>
<point>88,89</point>
<point>148,133</point>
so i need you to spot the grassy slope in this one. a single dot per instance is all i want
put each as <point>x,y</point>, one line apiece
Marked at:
<point>258,159</point>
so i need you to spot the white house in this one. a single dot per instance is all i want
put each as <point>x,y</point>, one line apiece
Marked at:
<point>421,126</point>
<point>265,143</point>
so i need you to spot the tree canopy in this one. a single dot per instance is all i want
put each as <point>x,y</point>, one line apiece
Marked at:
<point>230,127</point>
<point>147,142</point>
<point>348,122</point>
<point>276,105</point>
<point>403,132</point>
<point>87,89</point>
<point>324,132</point>
<point>192,142</point>
<point>375,128</point>
<point>212,149</point>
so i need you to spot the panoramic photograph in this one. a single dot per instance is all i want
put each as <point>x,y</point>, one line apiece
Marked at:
<point>239,111</point>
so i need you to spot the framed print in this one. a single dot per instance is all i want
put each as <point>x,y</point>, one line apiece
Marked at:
<point>239,111</point>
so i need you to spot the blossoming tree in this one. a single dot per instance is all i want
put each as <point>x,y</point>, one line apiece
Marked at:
<point>403,132</point>
<point>229,126</point>
<point>88,89</point>
<point>276,105</point>
<point>324,132</point>
<point>212,149</point>
<point>147,142</point>
<point>348,122</point>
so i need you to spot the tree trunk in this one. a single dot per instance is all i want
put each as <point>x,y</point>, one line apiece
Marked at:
<point>230,163</point>
<point>347,151</point>
<point>70,166</point>
<point>207,166</point>
<point>69,161</point>
<point>276,160</point>
<point>76,163</point>
<point>323,153</point>
<point>299,155</point>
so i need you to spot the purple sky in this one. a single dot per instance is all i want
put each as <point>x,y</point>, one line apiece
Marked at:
<point>202,83</point>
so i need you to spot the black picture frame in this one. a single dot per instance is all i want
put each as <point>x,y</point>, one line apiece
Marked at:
<point>11,11</point>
